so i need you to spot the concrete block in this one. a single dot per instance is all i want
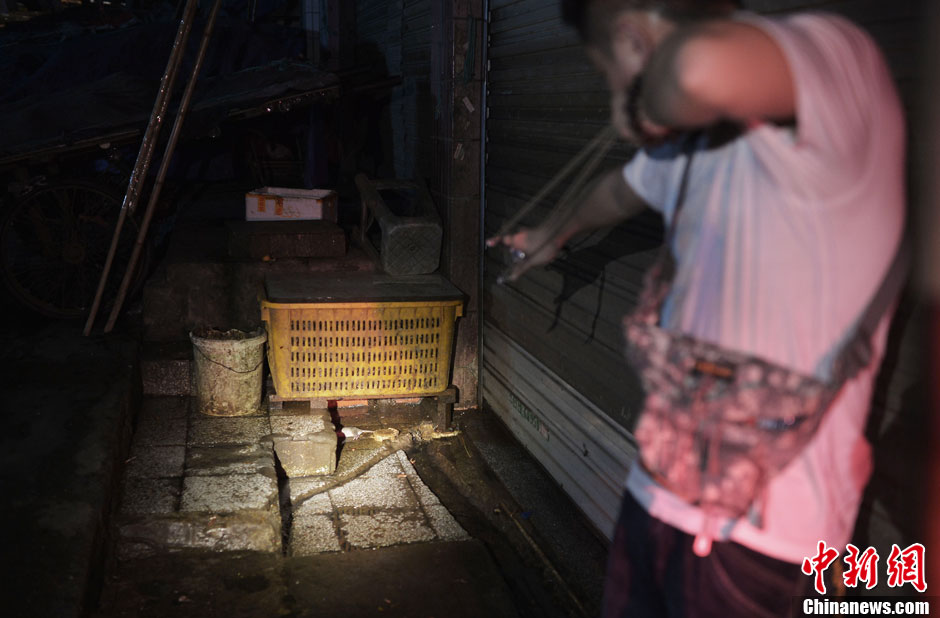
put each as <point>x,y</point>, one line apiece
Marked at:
<point>225,460</point>
<point>320,504</point>
<point>301,488</point>
<point>311,456</point>
<point>384,528</point>
<point>299,425</point>
<point>208,431</point>
<point>229,494</point>
<point>374,492</point>
<point>389,467</point>
<point>313,534</point>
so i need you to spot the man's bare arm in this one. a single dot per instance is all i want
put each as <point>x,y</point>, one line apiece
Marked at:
<point>722,70</point>
<point>609,201</point>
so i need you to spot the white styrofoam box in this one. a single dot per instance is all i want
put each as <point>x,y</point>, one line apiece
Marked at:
<point>285,204</point>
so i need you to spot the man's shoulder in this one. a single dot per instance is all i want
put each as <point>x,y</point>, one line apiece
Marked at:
<point>812,27</point>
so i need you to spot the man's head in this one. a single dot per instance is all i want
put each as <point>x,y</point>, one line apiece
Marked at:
<point>620,36</point>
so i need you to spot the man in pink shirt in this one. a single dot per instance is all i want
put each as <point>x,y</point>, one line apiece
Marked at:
<point>792,213</point>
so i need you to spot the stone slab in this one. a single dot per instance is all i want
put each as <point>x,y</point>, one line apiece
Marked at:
<point>209,431</point>
<point>304,487</point>
<point>315,455</point>
<point>313,534</point>
<point>387,467</point>
<point>384,528</point>
<point>298,425</point>
<point>225,460</point>
<point>228,494</point>
<point>375,492</point>
<point>319,504</point>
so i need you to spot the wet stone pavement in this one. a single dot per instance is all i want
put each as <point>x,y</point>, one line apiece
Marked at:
<point>210,524</point>
<point>195,481</point>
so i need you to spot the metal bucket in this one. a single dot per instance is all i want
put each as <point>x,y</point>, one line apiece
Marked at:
<point>228,371</point>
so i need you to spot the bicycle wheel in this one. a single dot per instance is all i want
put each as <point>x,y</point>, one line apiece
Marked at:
<point>53,246</point>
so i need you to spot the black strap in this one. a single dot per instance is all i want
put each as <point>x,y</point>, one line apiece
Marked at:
<point>688,149</point>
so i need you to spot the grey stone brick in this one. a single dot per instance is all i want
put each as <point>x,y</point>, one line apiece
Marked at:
<point>315,455</point>
<point>297,426</point>
<point>374,492</point>
<point>223,460</point>
<point>209,431</point>
<point>229,494</point>
<point>385,528</point>
<point>313,534</point>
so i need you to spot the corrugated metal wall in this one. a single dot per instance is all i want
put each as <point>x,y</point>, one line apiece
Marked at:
<point>400,31</point>
<point>557,330</point>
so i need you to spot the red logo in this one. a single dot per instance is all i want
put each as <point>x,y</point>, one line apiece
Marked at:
<point>819,563</point>
<point>904,566</point>
<point>907,566</point>
<point>860,567</point>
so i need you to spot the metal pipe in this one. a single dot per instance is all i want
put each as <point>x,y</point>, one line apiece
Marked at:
<point>164,166</point>
<point>145,153</point>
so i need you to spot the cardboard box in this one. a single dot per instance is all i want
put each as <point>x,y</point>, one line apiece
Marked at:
<point>285,204</point>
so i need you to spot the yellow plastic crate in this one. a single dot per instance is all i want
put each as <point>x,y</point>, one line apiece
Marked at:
<point>334,350</point>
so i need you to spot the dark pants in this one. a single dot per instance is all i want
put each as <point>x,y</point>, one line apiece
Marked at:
<point>652,571</point>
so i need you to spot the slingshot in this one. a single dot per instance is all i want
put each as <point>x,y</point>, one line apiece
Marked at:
<point>588,158</point>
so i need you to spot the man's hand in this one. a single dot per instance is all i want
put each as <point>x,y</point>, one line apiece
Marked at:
<point>609,201</point>
<point>529,247</point>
